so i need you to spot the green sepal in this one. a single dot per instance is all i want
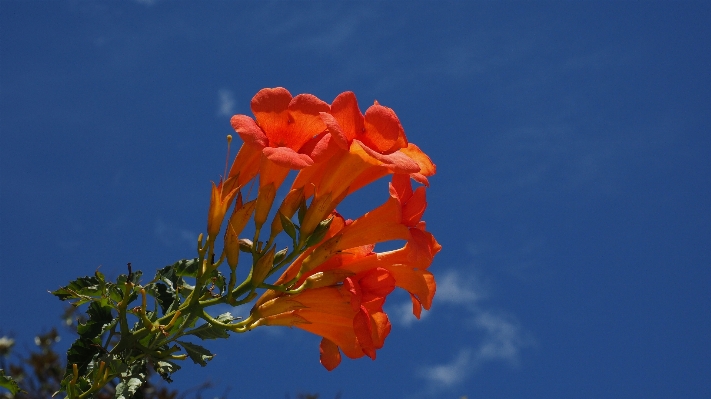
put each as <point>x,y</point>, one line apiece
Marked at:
<point>8,383</point>
<point>288,226</point>
<point>197,353</point>
<point>279,256</point>
<point>319,233</point>
<point>302,210</point>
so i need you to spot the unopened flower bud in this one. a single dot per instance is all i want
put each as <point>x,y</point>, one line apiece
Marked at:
<point>265,198</point>
<point>262,268</point>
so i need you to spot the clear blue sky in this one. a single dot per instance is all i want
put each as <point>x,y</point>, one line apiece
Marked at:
<point>573,147</point>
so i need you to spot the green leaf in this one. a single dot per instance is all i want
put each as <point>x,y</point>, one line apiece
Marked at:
<point>197,353</point>
<point>187,267</point>
<point>288,225</point>
<point>166,296</point>
<point>81,353</point>
<point>8,383</point>
<point>131,381</point>
<point>118,290</point>
<point>84,288</point>
<point>127,388</point>
<point>208,331</point>
<point>165,368</point>
<point>219,280</point>
<point>100,318</point>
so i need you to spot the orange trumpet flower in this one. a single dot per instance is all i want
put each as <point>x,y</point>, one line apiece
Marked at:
<point>367,148</point>
<point>346,283</point>
<point>283,127</point>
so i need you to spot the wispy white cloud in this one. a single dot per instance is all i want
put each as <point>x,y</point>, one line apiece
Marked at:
<point>497,337</point>
<point>452,288</point>
<point>503,338</point>
<point>401,314</point>
<point>225,102</point>
<point>452,373</point>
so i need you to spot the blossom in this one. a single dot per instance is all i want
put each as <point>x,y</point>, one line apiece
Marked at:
<point>347,282</point>
<point>337,283</point>
<point>367,147</point>
<point>286,133</point>
<point>348,316</point>
<point>283,133</point>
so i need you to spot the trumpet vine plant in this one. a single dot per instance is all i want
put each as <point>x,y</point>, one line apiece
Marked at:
<point>327,279</point>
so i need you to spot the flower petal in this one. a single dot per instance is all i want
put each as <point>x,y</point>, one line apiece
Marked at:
<point>249,131</point>
<point>335,129</point>
<point>286,157</point>
<point>346,113</point>
<point>383,131</point>
<point>304,121</point>
<point>419,283</point>
<point>330,355</point>
<point>269,107</point>
<point>427,167</point>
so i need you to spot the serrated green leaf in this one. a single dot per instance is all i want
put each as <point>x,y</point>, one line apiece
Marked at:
<point>187,267</point>
<point>165,295</point>
<point>197,353</point>
<point>208,331</point>
<point>165,368</point>
<point>131,380</point>
<point>81,353</point>
<point>81,288</point>
<point>99,318</point>
<point>8,383</point>
<point>127,388</point>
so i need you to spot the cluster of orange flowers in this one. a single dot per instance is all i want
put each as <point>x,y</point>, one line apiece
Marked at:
<point>342,283</point>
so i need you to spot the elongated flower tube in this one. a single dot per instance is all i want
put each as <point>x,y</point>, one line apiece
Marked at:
<point>348,316</point>
<point>346,282</point>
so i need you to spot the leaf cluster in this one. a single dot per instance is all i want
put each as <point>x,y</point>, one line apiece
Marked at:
<point>119,341</point>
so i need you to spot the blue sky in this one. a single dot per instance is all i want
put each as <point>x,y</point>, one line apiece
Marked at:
<point>572,196</point>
